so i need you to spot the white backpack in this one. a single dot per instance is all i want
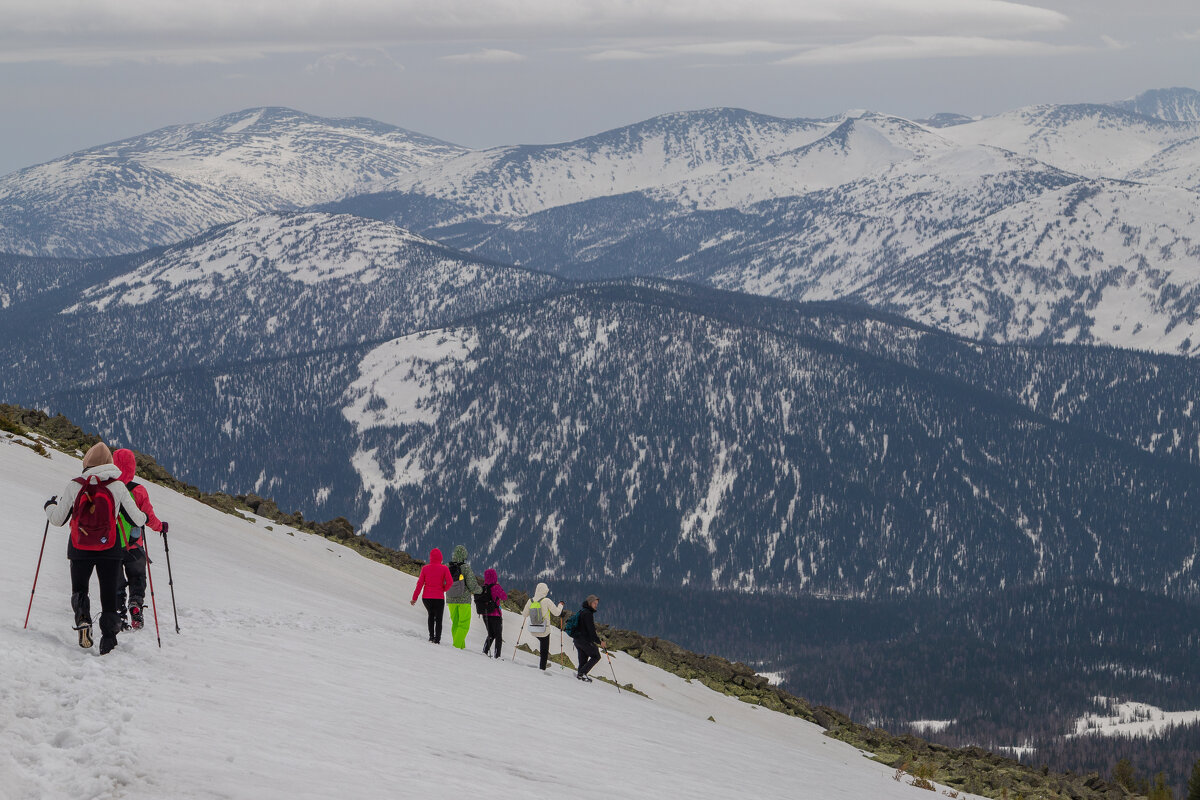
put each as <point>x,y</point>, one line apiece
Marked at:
<point>537,618</point>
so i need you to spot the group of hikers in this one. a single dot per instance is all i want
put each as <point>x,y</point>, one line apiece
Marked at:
<point>455,586</point>
<point>108,512</point>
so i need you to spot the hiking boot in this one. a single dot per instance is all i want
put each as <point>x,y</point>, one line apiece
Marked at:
<point>85,634</point>
<point>107,643</point>
<point>135,612</point>
<point>583,678</point>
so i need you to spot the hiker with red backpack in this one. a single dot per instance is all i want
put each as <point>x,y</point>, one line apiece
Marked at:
<point>538,610</point>
<point>136,558</point>
<point>434,580</point>
<point>487,603</point>
<point>92,502</point>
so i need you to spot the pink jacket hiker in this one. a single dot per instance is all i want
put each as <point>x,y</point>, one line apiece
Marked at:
<point>435,578</point>
<point>498,593</point>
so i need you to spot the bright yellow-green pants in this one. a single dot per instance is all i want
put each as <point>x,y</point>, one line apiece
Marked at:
<point>460,623</point>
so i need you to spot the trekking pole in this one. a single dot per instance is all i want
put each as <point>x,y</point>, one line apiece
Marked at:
<point>170,580</point>
<point>514,658</point>
<point>36,572</point>
<point>614,672</point>
<point>153,605</point>
<point>562,654</point>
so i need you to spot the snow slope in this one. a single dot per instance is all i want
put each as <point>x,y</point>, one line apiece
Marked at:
<point>302,672</point>
<point>518,181</point>
<point>1092,140</point>
<point>1132,719</point>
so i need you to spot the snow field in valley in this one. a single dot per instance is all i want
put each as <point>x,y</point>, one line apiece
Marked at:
<point>302,672</point>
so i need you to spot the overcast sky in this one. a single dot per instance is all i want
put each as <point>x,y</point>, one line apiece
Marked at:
<point>75,73</point>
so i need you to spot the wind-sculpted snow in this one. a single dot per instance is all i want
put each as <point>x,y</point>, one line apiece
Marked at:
<point>744,457</point>
<point>165,186</point>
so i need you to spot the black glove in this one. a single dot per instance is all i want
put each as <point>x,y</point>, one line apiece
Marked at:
<point>52,501</point>
<point>164,529</point>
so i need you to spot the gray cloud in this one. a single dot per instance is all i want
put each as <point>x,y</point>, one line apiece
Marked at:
<point>486,56</point>
<point>185,30</point>
<point>368,59</point>
<point>890,48</point>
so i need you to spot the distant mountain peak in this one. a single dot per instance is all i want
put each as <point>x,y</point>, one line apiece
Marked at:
<point>1176,104</point>
<point>945,120</point>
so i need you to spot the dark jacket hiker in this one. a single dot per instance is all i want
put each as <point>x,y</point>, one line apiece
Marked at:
<point>586,639</point>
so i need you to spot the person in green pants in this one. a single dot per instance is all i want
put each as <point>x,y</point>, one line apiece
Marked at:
<point>458,596</point>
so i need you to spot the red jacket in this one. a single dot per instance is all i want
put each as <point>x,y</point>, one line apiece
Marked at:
<point>125,461</point>
<point>435,578</point>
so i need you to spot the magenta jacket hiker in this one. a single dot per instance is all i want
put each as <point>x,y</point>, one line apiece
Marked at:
<point>435,578</point>
<point>495,617</point>
<point>498,593</point>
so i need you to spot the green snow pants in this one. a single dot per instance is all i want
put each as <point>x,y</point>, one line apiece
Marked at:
<point>460,623</point>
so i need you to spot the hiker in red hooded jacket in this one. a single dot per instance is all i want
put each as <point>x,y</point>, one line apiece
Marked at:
<point>435,580</point>
<point>136,559</point>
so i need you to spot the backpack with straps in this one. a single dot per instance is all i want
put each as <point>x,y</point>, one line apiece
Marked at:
<point>459,588</point>
<point>572,624</point>
<point>537,618</point>
<point>94,515</point>
<point>484,602</point>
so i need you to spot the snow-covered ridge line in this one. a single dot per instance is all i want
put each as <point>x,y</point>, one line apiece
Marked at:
<point>167,185</point>
<point>309,248</point>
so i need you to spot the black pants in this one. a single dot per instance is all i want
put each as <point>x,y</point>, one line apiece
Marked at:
<point>133,577</point>
<point>495,631</point>
<point>437,610</point>
<point>544,653</point>
<point>589,655</point>
<point>108,571</point>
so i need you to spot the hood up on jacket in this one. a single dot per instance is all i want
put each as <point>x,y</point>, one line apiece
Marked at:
<point>435,556</point>
<point>97,455</point>
<point>460,554</point>
<point>126,462</point>
<point>490,576</point>
<point>103,472</point>
<point>540,592</point>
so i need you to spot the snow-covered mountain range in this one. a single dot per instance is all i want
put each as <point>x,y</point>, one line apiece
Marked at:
<point>1052,223</point>
<point>247,333</point>
<point>1067,223</point>
<point>637,430</point>
<point>174,183</point>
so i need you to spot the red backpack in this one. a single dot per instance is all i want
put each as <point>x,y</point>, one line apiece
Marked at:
<point>94,516</point>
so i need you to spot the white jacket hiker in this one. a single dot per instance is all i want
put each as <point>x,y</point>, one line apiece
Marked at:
<point>548,607</point>
<point>59,512</point>
<point>538,610</point>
